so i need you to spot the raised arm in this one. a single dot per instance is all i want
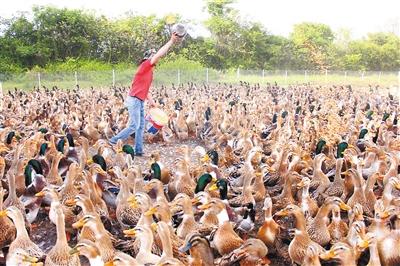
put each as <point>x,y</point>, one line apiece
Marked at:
<point>163,50</point>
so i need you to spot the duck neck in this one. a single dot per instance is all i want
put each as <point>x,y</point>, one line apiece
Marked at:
<point>287,188</point>
<point>146,243</point>
<point>322,213</point>
<point>20,226</point>
<point>54,166</point>
<point>374,254</point>
<point>268,213</point>
<point>166,244</point>
<point>12,193</point>
<point>61,236</point>
<point>370,183</point>
<point>305,191</point>
<point>300,221</point>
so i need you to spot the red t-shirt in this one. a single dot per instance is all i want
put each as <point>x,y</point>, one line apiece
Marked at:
<point>142,80</point>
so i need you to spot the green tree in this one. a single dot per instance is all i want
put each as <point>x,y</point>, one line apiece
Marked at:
<point>312,42</point>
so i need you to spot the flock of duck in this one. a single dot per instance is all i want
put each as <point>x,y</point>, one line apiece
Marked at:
<point>303,175</point>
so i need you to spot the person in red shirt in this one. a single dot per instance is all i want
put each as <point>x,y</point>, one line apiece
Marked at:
<point>139,93</point>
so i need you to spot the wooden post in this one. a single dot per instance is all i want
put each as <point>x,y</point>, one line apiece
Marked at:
<point>76,78</point>
<point>207,75</point>
<point>39,83</point>
<point>179,77</point>
<point>286,77</point>
<point>113,78</point>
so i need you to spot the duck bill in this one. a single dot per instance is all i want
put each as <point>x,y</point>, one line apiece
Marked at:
<point>151,211</point>
<point>213,187</point>
<point>195,200</point>
<point>133,202</point>
<point>186,247</point>
<point>327,255</point>
<point>3,213</point>
<point>205,159</point>
<point>79,224</point>
<point>301,184</point>
<point>70,202</point>
<point>343,206</point>
<point>109,263</point>
<point>130,232</point>
<point>154,227</point>
<point>363,243</point>
<point>40,194</point>
<point>205,206</point>
<point>74,251</point>
<point>282,213</point>
<point>30,259</point>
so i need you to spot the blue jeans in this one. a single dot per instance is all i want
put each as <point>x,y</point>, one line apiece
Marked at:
<point>135,124</point>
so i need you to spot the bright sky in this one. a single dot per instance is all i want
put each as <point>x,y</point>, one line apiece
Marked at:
<point>278,16</point>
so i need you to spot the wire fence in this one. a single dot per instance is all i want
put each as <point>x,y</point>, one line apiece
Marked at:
<point>87,79</point>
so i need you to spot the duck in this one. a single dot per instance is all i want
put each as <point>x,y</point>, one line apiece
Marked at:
<point>145,236</point>
<point>102,237</point>
<point>68,214</point>
<point>308,205</point>
<point>342,253</point>
<point>167,253</point>
<point>270,229</point>
<point>358,195</point>
<point>182,181</point>
<point>298,246</point>
<point>122,259</point>
<point>126,215</point>
<point>158,169</point>
<point>225,239</point>
<point>199,249</point>
<point>318,227</point>
<point>252,252</point>
<point>6,225</point>
<point>338,228</point>
<point>88,249</point>
<point>337,186</point>
<point>54,178</point>
<point>188,223</point>
<point>60,253</point>
<point>319,180</point>
<point>312,257</point>
<point>388,247</point>
<point>21,257</point>
<point>22,240</point>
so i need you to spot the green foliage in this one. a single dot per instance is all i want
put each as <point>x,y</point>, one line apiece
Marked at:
<point>60,39</point>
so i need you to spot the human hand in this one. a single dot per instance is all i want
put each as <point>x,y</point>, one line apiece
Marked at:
<point>151,103</point>
<point>175,38</point>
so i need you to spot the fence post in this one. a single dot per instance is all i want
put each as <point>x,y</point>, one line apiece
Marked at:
<point>39,83</point>
<point>237,73</point>
<point>113,77</point>
<point>362,75</point>
<point>326,75</point>
<point>379,77</point>
<point>207,75</point>
<point>179,77</point>
<point>286,77</point>
<point>263,75</point>
<point>345,75</point>
<point>76,78</point>
<point>1,95</point>
<point>305,75</point>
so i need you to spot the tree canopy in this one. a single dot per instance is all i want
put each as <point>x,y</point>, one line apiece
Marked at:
<point>56,35</point>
